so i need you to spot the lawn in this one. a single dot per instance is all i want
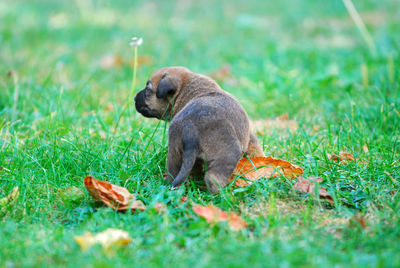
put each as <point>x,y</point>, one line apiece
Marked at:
<point>65,76</point>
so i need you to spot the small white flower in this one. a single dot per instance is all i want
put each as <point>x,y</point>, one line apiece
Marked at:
<point>135,42</point>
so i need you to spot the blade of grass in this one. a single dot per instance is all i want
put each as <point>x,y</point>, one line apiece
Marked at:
<point>355,16</point>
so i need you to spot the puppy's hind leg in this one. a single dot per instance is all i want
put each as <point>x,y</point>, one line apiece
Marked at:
<point>220,169</point>
<point>254,148</point>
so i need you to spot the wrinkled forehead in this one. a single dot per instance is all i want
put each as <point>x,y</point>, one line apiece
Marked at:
<point>157,75</point>
<point>176,71</point>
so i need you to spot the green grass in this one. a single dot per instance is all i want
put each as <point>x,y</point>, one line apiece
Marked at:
<point>300,58</point>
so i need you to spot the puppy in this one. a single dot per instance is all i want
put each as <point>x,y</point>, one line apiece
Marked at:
<point>208,125</point>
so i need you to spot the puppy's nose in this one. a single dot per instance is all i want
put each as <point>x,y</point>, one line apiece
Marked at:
<point>135,98</point>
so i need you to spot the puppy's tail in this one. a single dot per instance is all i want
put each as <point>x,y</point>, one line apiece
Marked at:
<point>190,142</point>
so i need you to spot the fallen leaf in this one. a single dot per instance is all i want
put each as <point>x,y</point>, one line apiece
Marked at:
<point>85,241</point>
<point>116,197</point>
<point>109,61</point>
<point>165,176</point>
<point>109,108</point>
<point>107,239</point>
<point>222,73</point>
<point>308,186</point>
<point>71,195</point>
<point>365,148</point>
<point>342,157</point>
<point>236,223</point>
<point>359,220</point>
<point>212,214</point>
<point>159,207</point>
<point>9,200</point>
<point>183,199</point>
<point>284,117</point>
<point>266,126</point>
<point>144,60</point>
<point>263,167</point>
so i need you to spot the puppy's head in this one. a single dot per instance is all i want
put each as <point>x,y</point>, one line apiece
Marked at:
<point>157,98</point>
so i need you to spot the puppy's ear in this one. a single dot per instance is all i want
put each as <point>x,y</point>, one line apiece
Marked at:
<point>165,87</point>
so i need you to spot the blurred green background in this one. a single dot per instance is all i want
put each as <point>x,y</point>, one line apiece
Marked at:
<point>285,46</point>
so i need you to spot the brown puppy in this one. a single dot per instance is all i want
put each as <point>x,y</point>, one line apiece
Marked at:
<point>208,125</point>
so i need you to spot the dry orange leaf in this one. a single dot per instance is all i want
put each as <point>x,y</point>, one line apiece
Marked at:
<point>114,196</point>
<point>159,207</point>
<point>360,220</point>
<point>343,156</point>
<point>183,199</point>
<point>144,60</point>
<point>308,186</point>
<point>263,167</point>
<point>236,223</point>
<point>213,214</point>
<point>225,72</point>
<point>210,213</point>
<point>108,61</point>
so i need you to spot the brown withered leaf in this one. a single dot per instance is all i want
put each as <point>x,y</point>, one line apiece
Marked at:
<point>308,186</point>
<point>114,196</point>
<point>342,157</point>
<point>183,199</point>
<point>236,223</point>
<point>212,214</point>
<point>263,167</point>
<point>358,219</point>
<point>224,74</point>
<point>160,207</point>
<point>144,60</point>
<point>109,61</point>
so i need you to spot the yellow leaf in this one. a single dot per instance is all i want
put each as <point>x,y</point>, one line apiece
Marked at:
<point>107,239</point>
<point>9,200</point>
<point>85,241</point>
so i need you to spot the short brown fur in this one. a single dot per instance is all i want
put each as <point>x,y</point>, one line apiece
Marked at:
<point>208,125</point>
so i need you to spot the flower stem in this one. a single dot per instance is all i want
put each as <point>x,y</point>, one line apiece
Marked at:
<point>133,75</point>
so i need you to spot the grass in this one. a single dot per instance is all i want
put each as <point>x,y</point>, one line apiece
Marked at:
<point>307,60</point>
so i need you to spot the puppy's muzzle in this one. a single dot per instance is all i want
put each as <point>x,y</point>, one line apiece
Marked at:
<point>141,106</point>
